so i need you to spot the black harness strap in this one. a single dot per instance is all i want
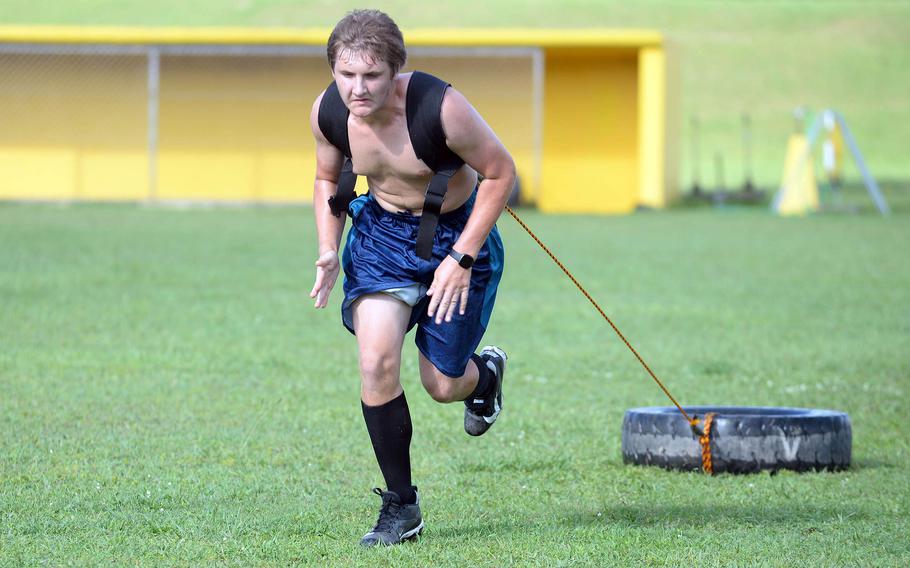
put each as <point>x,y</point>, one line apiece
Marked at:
<point>432,206</point>
<point>344,193</point>
<point>423,109</point>
<point>423,106</point>
<point>333,122</point>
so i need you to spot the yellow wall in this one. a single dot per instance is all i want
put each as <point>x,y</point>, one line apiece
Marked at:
<point>231,128</point>
<point>237,127</point>
<point>590,133</point>
<point>500,89</point>
<point>652,118</point>
<point>73,127</point>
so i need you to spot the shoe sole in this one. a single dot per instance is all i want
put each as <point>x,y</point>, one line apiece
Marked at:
<point>408,536</point>
<point>413,533</point>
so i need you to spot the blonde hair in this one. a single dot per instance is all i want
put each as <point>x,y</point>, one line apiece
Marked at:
<point>368,32</point>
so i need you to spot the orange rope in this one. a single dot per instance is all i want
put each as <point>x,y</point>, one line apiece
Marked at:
<point>693,422</point>
<point>705,441</point>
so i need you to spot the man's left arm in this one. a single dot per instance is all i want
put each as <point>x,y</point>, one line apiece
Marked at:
<point>469,136</point>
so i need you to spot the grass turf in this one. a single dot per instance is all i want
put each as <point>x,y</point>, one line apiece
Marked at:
<point>170,397</point>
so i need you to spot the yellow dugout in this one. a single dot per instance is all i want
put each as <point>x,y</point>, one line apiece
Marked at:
<point>223,114</point>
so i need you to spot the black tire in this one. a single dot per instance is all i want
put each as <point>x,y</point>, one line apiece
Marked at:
<point>743,439</point>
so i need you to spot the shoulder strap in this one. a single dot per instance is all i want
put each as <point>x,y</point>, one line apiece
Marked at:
<point>333,122</point>
<point>333,119</point>
<point>423,109</point>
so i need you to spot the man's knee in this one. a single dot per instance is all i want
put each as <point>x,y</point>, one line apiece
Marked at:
<point>440,387</point>
<point>379,369</point>
<point>443,391</point>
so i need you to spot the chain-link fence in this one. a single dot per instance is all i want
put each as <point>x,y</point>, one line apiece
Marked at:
<point>145,122</point>
<point>208,122</point>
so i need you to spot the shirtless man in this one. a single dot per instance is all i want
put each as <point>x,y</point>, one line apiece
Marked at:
<point>388,286</point>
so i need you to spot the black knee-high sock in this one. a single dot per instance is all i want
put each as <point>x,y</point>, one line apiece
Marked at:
<point>484,378</point>
<point>390,431</point>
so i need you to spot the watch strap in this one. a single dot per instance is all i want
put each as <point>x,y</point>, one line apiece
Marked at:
<point>464,260</point>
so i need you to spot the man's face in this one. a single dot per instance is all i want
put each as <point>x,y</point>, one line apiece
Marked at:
<point>364,82</point>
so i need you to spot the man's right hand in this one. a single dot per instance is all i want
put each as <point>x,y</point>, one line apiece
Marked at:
<point>326,275</point>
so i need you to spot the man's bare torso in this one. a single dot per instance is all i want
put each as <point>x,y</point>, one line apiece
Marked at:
<point>397,178</point>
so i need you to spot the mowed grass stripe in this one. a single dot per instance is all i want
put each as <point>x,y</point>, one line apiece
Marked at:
<point>169,396</point>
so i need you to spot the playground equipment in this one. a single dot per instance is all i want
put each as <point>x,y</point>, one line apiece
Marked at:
<point>798,193</point>
<point>722,194</point>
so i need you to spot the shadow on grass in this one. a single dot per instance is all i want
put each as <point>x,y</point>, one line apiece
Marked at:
<point>873,463</point>
<point>517,465</point>
<point>689,515</point>
<point>656,515</point>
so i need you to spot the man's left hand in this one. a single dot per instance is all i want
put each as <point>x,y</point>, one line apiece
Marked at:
<point>449,290</point>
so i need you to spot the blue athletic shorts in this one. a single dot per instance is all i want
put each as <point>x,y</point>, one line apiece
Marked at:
<point>380,254</point>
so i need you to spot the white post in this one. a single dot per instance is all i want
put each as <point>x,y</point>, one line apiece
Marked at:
<point>154,84</point>
<point>537,85</point>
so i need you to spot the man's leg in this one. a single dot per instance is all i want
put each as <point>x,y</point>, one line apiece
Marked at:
<point>449,368</point>
<point>480,387</point>
<point>448,389</point>
<point>380,323</point>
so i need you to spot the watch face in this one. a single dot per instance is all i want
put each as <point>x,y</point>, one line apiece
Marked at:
<point>464,260</point>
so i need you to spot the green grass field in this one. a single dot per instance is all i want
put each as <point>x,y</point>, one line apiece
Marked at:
<point>169,397</point>
<point>728,58</point>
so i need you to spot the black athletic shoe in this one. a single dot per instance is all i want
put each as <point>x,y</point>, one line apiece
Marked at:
<point>396,522</point>
<point>481,413</point>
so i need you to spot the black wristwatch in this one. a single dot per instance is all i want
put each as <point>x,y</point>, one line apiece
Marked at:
<point>464,260</point>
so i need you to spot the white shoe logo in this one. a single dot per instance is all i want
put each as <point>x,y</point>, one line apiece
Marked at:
<point>492,418</point>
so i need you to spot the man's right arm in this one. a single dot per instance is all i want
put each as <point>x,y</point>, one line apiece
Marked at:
<point>328,227</point>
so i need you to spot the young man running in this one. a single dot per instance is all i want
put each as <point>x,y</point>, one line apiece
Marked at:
<point>423,248</point>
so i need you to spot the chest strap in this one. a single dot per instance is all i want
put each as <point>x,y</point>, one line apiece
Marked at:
<point>423,106</point>
<point>432,207</point>
<point>344,192</point>
<point>424,113</point>
<point>432,204</point>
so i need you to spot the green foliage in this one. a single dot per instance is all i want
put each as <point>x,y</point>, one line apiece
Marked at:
<point>169,396</point>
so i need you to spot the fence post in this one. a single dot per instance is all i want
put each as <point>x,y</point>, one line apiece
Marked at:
<point>154,83</point>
